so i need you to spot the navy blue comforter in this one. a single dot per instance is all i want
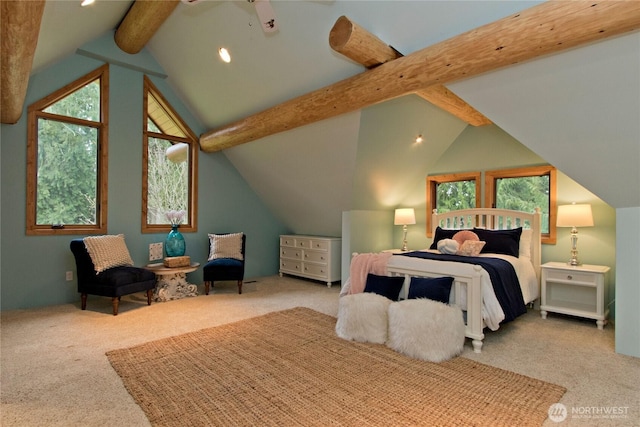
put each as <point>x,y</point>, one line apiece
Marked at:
<point>503,278</point>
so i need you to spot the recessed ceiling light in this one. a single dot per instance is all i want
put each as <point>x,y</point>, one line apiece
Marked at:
<point>224,54</point>
<point>87,2</point>
<point>419,139</point>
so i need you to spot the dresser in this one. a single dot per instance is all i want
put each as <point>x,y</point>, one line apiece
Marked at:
<point>313,257</point>
<point>575,290</point>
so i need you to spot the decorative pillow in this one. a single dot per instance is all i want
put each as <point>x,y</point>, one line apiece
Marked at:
<point>435,288</point>
<point>441,233</point>
<point>506,242</point>
<point>471,248</point>
<point>525,243</point>
<point>225,246</point>
<point>448,246</point>
<point>107,251</point>
<point>363,317</point>
<point>425,329</point>
<point>386,286</point>
<point>464,235</point>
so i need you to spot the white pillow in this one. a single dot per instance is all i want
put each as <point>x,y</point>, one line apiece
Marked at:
<point>225,246</point>
<point>107,251</point>
<point>525,242</point>
<point>425,329</point>
<point>362,317</point>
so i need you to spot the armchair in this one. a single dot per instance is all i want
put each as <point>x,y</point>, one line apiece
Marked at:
<point>112,281</point>
<point>226,259</point>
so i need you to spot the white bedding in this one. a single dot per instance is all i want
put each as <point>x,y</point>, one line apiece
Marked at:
<point>492,313</point>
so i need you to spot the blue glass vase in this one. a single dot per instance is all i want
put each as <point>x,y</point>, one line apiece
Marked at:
<point>174,244</point>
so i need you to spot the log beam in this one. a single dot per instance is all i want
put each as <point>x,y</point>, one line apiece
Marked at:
<point>359,45</point>
<point>20,27</point>
<point>141,22</point>
<point>547,28</point>
<point>442,97</point>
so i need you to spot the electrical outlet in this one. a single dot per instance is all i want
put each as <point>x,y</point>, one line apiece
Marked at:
<point>69,276</point>
<point>155,251</point>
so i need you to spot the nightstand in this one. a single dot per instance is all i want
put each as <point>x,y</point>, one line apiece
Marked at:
<point>575,290</point>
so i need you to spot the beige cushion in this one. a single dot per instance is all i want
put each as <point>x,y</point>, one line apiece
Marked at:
<point>107,251</point>
<point>225,246</point>
<point>471,248</point>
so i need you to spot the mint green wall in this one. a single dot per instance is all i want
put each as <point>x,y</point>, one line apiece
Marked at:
<point>33,268</point>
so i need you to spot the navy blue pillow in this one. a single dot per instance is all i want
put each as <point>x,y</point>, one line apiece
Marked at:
<point>435,288</point>
<point>384,285</point>
<point>506,242</point>
<point>442,233</point>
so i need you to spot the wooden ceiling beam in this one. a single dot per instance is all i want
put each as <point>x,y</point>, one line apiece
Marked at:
<point>358,44</point>
<point>141,22</point>
<point>20,27</point>
<point>544,29</point>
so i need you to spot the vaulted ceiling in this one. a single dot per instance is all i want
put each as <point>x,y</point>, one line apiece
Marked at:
<point>270,69</point>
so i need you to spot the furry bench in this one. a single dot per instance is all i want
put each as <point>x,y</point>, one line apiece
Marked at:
<point>419,328</point>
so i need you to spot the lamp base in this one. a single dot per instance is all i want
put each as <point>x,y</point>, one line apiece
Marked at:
<point>404,239</point>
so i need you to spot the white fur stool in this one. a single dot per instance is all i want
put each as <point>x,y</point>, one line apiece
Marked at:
<point>426,329</point>
<point>363,317</point>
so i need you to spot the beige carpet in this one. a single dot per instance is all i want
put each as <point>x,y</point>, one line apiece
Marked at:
<point>289,368</point>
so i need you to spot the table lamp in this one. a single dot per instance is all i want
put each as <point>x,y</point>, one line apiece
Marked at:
<point>404,217</point>
<point>574,216</point>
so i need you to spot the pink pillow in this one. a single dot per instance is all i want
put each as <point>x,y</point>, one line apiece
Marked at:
<point>464,235</point>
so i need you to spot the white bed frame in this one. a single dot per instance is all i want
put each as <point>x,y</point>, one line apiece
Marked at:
<point>494,219</point>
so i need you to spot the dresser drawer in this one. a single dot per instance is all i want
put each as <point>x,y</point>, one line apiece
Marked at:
<point>291,265</point>
<point>571,277</point>
<point>321,245</point>
<point>303,243</point>
<point>287,241</point>
<point>316,270</point>
<point>293,253</point>
<point>315,256</point>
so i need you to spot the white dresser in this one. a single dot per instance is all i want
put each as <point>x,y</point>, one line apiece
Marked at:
<point>313,257</point>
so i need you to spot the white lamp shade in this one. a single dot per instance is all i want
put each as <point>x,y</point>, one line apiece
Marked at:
<point>404,216</point>
<point>178,153</point>
<point>574,216</point>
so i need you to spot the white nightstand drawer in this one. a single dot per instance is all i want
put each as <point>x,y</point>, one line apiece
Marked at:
<point>571,276</point>
<point>314,256</point>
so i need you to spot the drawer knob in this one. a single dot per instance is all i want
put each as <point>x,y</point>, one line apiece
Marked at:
<point>569,277</point>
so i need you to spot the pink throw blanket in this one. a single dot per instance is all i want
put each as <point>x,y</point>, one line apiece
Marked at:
<point>363,264</point>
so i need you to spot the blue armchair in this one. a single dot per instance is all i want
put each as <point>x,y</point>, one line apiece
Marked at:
<point>112,282</point>
<point>226,264</point>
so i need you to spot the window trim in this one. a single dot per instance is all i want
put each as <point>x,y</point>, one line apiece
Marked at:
<point>490,178</point>
<point>34,112</point>
<point>432,186</point>
<point>192,139</point>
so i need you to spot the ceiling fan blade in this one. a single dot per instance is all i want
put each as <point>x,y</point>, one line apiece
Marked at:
<point>266,15</point>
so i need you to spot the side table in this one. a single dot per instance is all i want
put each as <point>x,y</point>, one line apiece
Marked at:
<point>172,281</point>
<point>575,290</point>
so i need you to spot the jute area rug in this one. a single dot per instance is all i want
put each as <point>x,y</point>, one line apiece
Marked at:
<point>288,368</point>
